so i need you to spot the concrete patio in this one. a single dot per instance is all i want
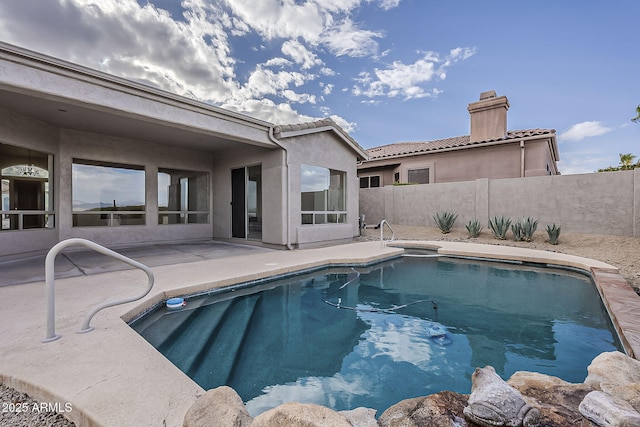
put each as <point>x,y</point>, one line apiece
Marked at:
<point>113,377</point>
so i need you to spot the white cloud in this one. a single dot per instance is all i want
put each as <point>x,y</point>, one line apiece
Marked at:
<point>267,110</point>
<point>139,43</point>
<point>344,124</point>
<point>347,39</point>
<point>389,4</point>
<point>300,98</point>
<point>327,88</point>
<point>300,54</point>
<point>584,130</point>
<point>409,80</point>
<point>278,62</point>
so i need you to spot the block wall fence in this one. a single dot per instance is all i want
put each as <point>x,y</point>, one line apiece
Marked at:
<point>596,203</point>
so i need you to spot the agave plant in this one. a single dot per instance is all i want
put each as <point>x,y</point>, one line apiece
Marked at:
<point>518,231</point>
<point>554,233</point>
<point>500,226</point>
<point>474,227</point>
<point>529,226</point>
<point>445,220</point>
<point>524,229</point>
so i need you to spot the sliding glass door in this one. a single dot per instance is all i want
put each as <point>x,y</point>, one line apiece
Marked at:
<point>246,202</point>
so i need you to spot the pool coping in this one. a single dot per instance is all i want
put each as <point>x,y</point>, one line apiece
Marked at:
<point>113,377</point>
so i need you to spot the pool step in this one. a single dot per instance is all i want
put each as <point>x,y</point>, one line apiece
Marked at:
<point>182,343</point>
<point>214,360</point>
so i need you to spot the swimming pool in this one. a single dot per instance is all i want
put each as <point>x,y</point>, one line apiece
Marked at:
<point>370,336</point>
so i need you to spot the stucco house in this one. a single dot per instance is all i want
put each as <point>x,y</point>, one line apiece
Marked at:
<point>490,151</point>
<point>86,154</point>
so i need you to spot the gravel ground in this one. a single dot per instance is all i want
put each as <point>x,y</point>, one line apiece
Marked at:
<point>621,252</point>
<point>19,410</point>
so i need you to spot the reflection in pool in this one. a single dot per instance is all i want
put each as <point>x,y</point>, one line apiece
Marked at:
<point>372,336</point>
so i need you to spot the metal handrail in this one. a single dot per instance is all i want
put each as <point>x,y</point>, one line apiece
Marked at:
<point>393,236</point>
<point>49,266</point>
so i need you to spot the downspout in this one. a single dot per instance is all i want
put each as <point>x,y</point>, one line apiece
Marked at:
<point>286,164</point>
<point>522,159</point>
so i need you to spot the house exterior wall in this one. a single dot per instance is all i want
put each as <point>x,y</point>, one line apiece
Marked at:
<point>321,149</point>
<point>488,161</point>
<point>66,145</point>
<point>21,131</point>
<point>273,191</point>
<point>280,226</point>
<point>597,203</point>
<point>103,148</point>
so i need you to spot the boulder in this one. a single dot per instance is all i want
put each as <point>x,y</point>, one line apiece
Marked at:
<point>616,374</point>
<point>493,402</point>
<point>557,400</point>
<point>218,407</point>
<point>301,415</point>
<point>609,411</point>
<point>361,417</point>
<point>442,409</point>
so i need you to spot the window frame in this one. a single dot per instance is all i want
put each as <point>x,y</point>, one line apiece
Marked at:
<point>107,215</point>
<point>425,169</point>
<point>185,215</point>
<point>369,179</point>
<point>26,174</point>
<point>327,216</point>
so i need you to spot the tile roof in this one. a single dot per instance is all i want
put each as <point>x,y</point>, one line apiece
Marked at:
<point>400,149</point>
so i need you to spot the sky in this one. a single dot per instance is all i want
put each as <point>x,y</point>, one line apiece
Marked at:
<point>385,70</point>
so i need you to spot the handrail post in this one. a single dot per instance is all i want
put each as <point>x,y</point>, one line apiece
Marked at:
<point>50,284</point>
<point>49,274</point>
<point>393,236</point>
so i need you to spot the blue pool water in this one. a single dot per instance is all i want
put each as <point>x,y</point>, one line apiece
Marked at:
<point>372,336</point>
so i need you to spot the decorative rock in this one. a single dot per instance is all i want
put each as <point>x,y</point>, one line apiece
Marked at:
<point>443,409</point>
<point>300,414</point>
<point>609,411</point>
<point>557,400</point>
<point>616,374</point>
<point>493,402</point>
<point>219,406</point>
<point>361,417</point>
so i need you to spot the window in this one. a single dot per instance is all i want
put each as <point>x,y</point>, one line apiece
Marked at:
<point>183,197</point>
<point>26,192</point>
<point>323,198</point>
<point>370,181</point>
<point>107,194</point>
<point>418,176</point>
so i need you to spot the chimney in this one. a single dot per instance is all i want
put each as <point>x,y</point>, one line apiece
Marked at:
<point>488,117</point>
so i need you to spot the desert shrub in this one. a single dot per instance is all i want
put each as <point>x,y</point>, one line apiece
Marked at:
<point>553,231</point>
<point>517,231</point>
<point>445,220</point>
<point>499,225</point>
<point>524,229</point>
<point>474,227</point>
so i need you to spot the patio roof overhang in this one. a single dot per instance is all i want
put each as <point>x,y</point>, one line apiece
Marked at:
<point>70,96</point>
